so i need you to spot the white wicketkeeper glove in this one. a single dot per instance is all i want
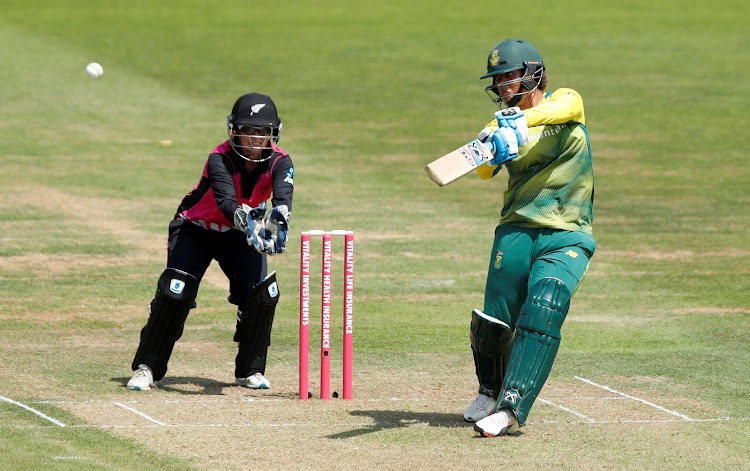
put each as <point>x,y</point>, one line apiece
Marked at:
<point>250,221</point>
<point>240,217</point>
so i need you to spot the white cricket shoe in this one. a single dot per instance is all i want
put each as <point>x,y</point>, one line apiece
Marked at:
<point>142,380</point>
<point>482,406</point>
<point>256,381</point>
<point>502,422</point>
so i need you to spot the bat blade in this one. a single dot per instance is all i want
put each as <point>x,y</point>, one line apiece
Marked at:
<point>458,163</point>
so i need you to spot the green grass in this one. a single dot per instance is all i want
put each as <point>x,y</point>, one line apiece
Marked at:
<point>77,449</point>
<point>370,93</point>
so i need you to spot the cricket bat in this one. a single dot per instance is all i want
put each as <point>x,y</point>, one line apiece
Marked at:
<point>458,163</point>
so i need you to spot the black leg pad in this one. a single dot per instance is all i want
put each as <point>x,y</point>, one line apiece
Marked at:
<point>491,343</point>
<point>254,322</point>
<point>175,296</point>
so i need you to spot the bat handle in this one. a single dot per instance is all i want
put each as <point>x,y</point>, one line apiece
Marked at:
<point>490,145</point>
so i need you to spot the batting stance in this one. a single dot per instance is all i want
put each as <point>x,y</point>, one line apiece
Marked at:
<point>224,219</point>
<point>543,243</point>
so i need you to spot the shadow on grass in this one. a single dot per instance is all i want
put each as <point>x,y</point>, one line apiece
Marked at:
<point>189,385</point>
<point>389,420</point>
<point>193,386</point>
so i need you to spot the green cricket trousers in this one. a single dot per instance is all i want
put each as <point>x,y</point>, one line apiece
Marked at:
<point>534,270</point>
<point>523,256</point>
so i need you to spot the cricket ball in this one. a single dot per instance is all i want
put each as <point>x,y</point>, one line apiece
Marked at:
<point>94,70</point>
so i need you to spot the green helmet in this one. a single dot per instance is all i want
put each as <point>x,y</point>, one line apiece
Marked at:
<point>512,54</point>
<point>515,54</point>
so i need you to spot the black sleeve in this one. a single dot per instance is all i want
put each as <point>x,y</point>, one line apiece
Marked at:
<point>220,170</point>
<point>283,182</point>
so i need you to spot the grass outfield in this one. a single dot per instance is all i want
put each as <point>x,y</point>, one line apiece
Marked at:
<point>652,371</point>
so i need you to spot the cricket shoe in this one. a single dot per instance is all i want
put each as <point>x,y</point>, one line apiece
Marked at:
<point>256,381</point>
<point>502,422</point>
<point>142,380</point>
<point>482,406</point>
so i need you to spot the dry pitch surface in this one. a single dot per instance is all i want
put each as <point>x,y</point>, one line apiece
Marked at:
<point>391,424</point>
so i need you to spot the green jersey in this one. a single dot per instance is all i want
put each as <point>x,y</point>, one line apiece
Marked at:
<point>551,182</point>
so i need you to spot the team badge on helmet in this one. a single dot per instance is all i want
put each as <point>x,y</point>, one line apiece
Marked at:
<point>494,58</point>
<point>254,115</point>
<point>256,108</point>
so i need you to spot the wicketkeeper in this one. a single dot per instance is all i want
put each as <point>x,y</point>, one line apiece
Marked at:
<point>543,243</point>
<point>225,218</point>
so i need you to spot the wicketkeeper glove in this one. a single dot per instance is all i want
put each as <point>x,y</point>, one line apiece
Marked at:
<point>250,221</point>
<point>513,118</point>
<point>240,217</point>
<point>277,228</point>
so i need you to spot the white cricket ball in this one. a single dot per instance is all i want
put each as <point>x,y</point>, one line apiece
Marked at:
<point>94,70</point>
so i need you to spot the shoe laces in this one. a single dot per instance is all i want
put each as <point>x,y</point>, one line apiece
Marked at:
<point>261,379</point>
<point>142,372</point>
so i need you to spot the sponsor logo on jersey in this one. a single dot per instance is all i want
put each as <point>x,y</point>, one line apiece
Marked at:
<point>290,177</point>
<point>549,130</point>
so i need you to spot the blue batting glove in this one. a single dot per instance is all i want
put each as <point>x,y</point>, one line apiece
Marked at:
<point>513,118</point>
<point>485,137</point>
<point>505,146</point>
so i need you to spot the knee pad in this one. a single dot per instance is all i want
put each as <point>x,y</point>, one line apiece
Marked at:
<point>545,308</point>
<point>175,296</point>
<point>535,347</point>
<point>254,322</point>
<point>491,342</point>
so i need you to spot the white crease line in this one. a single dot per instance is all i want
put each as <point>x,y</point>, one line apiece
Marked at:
<point>371,424</point>
<point>578,414</point>
<point>248,425</point>
<point>666,421</point>
<point>652,421</point>
<point>139,413</point>
<point>31,409</point>
<point>252,399</point>
<point>607,388</point>
<point>594,398</point>
<point>93,401</point>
